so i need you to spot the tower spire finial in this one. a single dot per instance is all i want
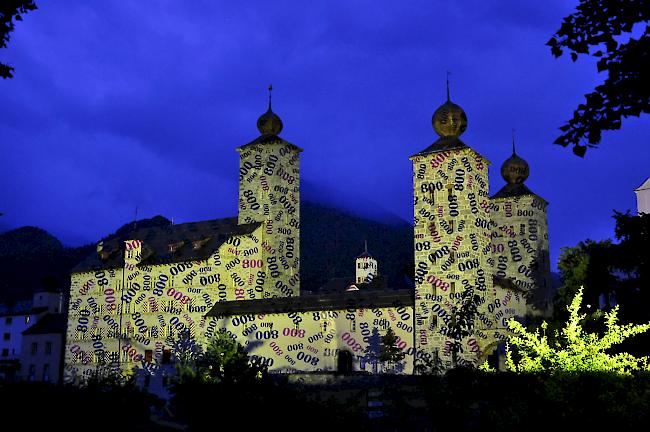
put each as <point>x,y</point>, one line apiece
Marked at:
<point>365,246</point>
<point>513,141</point>
<point>270,95</point>
<point>448,73</point>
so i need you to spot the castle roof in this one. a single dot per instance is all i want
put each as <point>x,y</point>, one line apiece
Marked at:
<point>193,241</point>
<point>270,125</point>
<point>270,139</point>
<point>645,185</point>
<point>316,302</point>
<point>515,190</point>
<point>49,324</point>
<point>441,145</point>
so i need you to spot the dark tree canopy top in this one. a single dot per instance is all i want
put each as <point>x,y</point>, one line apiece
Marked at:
<point>10,11</point>
<point>603,29</point>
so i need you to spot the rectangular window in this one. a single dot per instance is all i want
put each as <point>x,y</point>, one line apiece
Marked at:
<point>32,372</point>
<point>8,320</point>
<point>34,348</point>
<point>46,372</point>
<point>6,336</point>
<point>148,356</point>
<point>167,356</point>
<point>5,352</point>
<point>452,290</point>
<point>48,347</point>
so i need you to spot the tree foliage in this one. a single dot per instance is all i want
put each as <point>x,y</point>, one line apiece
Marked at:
<point>10,11</point>
<point>590,264</point>
<point>633,258</point>
<point>389,352</point>
<point>224,361</point>
<point>573,349</point>
<point>603,29</point>
<point>463,318</point>
<point>614,271</point>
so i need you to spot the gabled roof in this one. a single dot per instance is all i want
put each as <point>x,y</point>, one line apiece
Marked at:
<point>645,185</point>
<point>49,324</point>
<point>195,241</point>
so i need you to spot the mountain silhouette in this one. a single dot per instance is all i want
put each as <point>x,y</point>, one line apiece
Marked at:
<point>31,259</point>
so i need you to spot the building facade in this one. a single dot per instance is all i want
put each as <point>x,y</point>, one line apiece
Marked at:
<point>15,323</point>
<point>643,197</point>
<point>130,301</point>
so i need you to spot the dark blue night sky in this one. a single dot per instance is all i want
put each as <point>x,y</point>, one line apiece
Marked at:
<point>122,104</point>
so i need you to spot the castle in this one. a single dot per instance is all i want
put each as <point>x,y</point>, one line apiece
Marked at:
<point>241,275</point>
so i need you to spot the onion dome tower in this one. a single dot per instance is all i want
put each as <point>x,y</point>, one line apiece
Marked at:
<point>449,120</point>
<point>515,171</point>
<point>451,232</point>
<point>269,193</point>
<point>269,123</point>
<point>523,255</point>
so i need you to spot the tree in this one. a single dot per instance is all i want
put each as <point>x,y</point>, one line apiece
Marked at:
<point>633,259</point>
<point>463,316</point>
<point>573,349</point>
<point>590,264</point>
<point>389,352</point>
<point>224,361</point>
<point>11,10</point>
<point>597,28</point>
<point>219,375</point>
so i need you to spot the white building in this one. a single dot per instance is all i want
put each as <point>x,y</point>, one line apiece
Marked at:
<point>18,319</point>
<point>643,197</point>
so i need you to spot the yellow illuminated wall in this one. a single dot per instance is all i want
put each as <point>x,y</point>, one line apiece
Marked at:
<point>452,245</point>
<point>302,341</point>
<point>520,245</point>
<point>269,192</point>
<point>147,304</point>
<point>152,304</point>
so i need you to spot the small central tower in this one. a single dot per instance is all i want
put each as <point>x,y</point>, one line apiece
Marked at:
<point>366,267</point>
<point>451,233</point>
<point>269,192</point>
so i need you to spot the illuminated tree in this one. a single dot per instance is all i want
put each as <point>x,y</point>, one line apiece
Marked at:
<point>603,29</point>
<point>573,349</point>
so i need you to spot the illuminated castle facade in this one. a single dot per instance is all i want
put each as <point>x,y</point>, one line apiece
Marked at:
<point>129,302</point>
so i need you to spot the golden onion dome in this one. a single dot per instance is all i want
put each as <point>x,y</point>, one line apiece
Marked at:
<point>449,120</point>
<point>269,123</point>
<point>515,170</point>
